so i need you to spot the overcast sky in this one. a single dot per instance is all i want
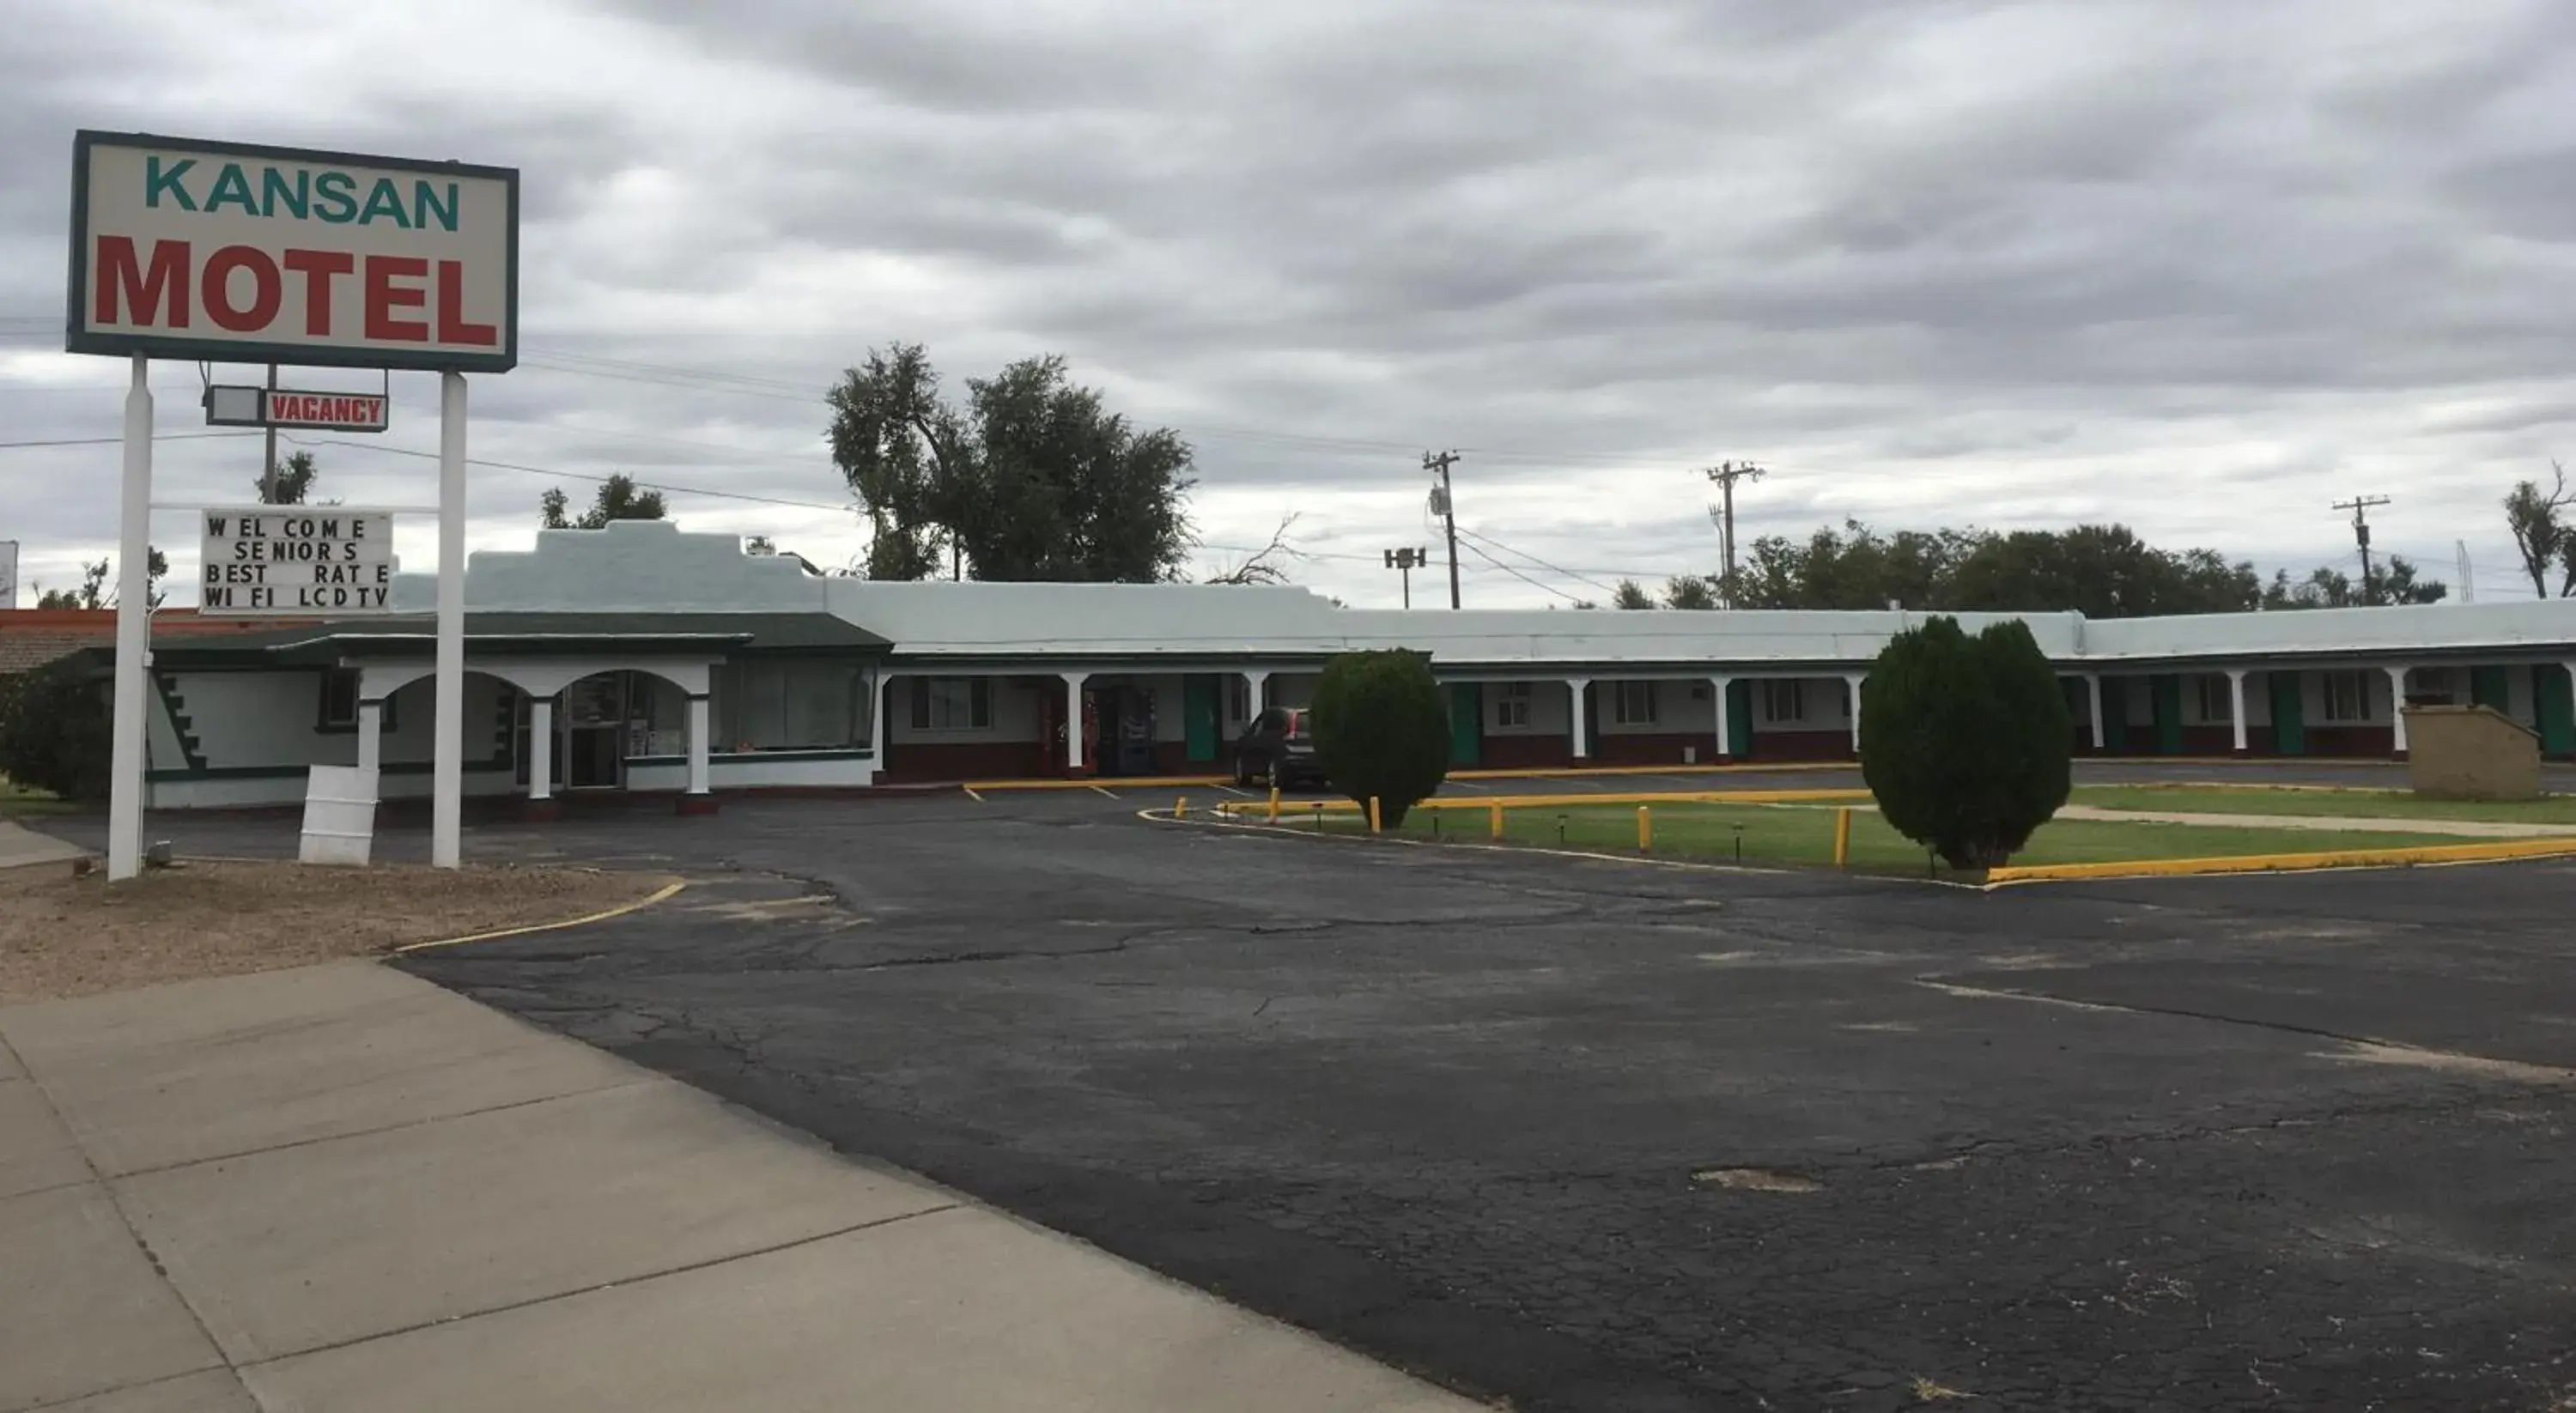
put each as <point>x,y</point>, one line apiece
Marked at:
<point>2202,266</point>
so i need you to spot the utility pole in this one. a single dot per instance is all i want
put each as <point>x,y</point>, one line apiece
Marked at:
<point>1446,506</point>
<point>1726,474</point>
<point>1407,560</point>
<point>268,469</point>
<point>2360,508</point>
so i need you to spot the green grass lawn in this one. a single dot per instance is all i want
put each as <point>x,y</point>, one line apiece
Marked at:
<point>16,799</point>
<point>2340,804</point>
<point>1789,834</point>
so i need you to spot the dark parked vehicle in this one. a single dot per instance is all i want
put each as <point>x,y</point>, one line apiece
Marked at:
<point>1278,748</point>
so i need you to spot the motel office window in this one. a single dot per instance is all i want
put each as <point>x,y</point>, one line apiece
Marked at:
<point>2347,696</point>
<point>1512,704</point>
<point>1634,704</point>
<point>1784,699</point>
<point>773,704</point>
<point>952,703</point>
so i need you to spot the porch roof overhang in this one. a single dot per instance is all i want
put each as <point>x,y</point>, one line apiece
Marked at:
<point>558,635</point>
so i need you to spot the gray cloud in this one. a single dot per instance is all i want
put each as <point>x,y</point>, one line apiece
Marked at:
<point>2199,266</point>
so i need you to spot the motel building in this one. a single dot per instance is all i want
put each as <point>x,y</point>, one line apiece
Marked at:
<point>642,658</point>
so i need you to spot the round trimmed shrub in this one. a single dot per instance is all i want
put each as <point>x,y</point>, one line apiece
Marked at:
<point>1382,729</point>
<point>1966,741</point>
<point>54,729</point>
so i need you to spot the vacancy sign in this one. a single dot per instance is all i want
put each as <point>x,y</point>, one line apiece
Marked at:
<point>230,406</point>
<point>232,253</point>
<point>293,559</point>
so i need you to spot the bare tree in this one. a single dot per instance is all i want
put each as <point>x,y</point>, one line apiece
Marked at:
<point>2542,534</point>
<point>1264,565</point>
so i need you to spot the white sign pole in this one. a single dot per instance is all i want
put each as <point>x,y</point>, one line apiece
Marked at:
<point>133,633</point>
<point>447,771</point>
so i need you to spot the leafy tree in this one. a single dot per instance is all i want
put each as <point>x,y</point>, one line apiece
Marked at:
<point>2103,571</point>
<point>1033,480</point>
<point>2543,532</point>
<point>1966,742</point>
<point>97,585</point>
<point>760,545</point>
<point>1630,594</point>
<point>616,499</point>
<point>1382,729</point>
<point>2393,582</point>
<point>1690,591</point>
<point>294,481</point>
<point>55,730</point>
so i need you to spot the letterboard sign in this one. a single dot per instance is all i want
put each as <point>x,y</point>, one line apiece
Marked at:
<point>279,559</point>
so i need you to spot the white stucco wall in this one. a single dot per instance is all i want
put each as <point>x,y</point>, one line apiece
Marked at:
<point>1677,709</point>
<point>1550,708</point>
<point>1018,710</point>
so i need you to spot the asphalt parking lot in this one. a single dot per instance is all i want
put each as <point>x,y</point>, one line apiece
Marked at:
<point>1598,1136</point>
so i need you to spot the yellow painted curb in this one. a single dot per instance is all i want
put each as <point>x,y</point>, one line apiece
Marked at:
<point>1541,772</point>
<point>1098,782</point>
<point>2494,852</point>
<point>1480,803</point>
<point>619,911</point>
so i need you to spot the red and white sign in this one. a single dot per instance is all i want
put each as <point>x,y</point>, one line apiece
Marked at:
<point>210,250</point>
<point>235,406</point>
<point>347,412</point>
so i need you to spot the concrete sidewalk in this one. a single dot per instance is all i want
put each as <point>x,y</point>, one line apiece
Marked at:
<point>340,1187</point>
<point>20,845</point>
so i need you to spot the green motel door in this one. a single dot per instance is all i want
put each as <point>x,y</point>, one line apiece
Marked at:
<point>1466,724</point>
<point>1201,700</point>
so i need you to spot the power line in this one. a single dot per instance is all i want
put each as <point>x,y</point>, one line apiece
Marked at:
<point>1543,564</point>
<point>120,441</point>
<point>1533,583</point>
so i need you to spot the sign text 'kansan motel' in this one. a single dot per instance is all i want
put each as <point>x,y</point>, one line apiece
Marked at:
<point>189,249</point>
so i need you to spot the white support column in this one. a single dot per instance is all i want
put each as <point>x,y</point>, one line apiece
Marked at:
<point>541,748</point>
<point>1720,686</point>
<point>1575,688</point>
<point>877,721</point>
<point>127,749</point>
<point>2236,705</point>
<point>1855,680</point>
<point>447,749</point>
<point>1073,718</point>
<point>698,744</point>
<point>371,735</point>
<point>1257,680</point>
<point>2397,705</point>
<point>2093,695</point>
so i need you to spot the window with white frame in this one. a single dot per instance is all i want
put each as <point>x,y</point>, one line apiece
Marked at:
<point>1784,699</point>
<point>2347,696</point>
<point>952,703</point>
<point>2217,699</point>
<point>1633,704</point>
<point>1512,704</point>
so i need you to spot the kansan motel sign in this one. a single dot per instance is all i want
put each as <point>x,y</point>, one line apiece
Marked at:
<point>227,253</point>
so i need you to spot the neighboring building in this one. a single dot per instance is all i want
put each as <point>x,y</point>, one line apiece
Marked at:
<point>33,637</point>
<point>641,657</point>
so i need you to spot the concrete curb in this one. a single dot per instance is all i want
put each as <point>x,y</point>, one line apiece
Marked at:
<point>2500,851</point>
<point>1484,802</point>
<point>621,910</point>
<point>1684,865</point>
